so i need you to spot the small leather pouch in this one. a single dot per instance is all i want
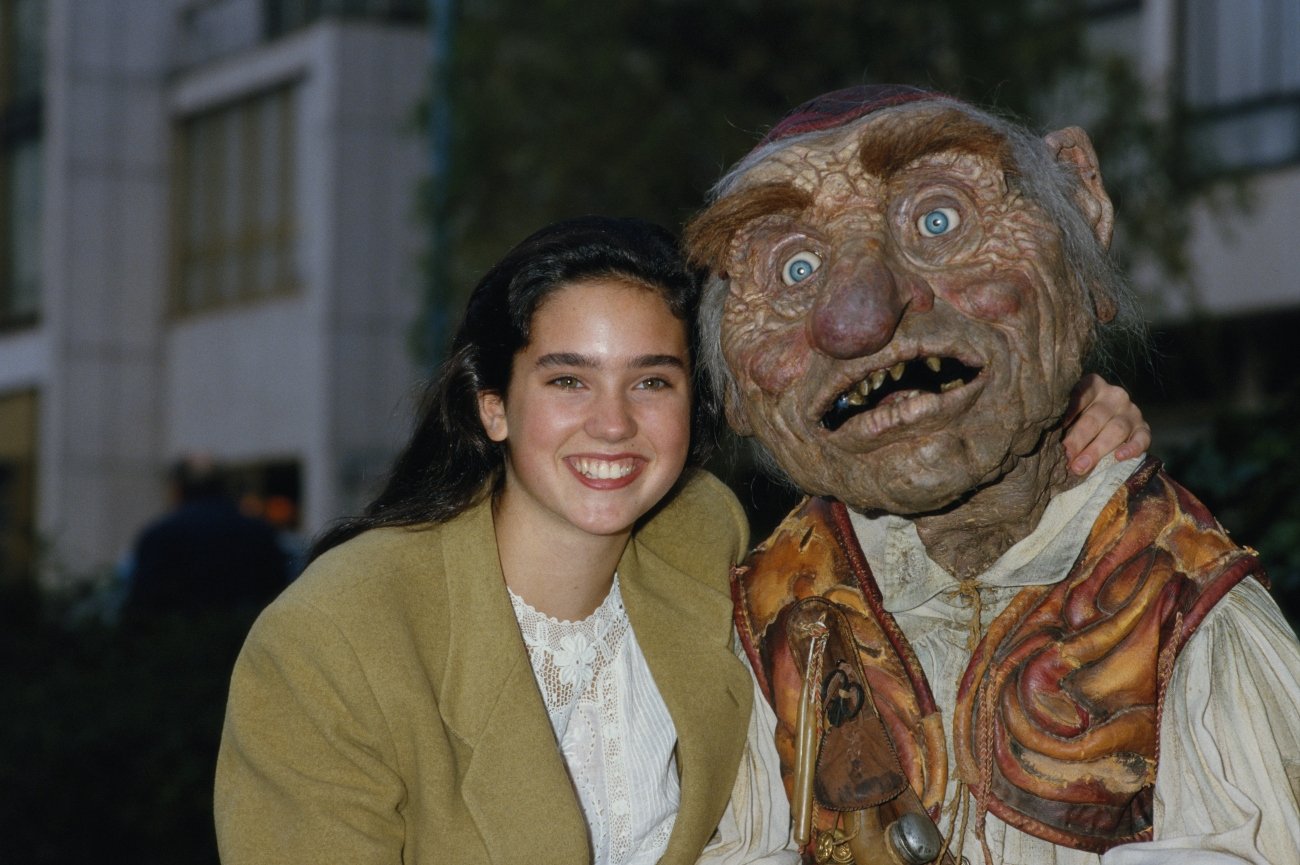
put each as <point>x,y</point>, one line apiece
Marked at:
<point>858,777</point>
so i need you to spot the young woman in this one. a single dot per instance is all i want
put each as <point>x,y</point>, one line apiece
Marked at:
<point>523,652</point>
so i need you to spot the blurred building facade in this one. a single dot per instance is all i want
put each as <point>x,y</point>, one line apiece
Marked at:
<point>1225,336</point>
<point>209,243</point>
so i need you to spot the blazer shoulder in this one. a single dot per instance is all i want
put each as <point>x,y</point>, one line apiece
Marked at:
<point>381,568</point>
<point>700,527</point>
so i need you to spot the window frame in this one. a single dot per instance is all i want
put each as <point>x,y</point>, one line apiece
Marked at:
<point>199,256</point>
<point>1212,117</point>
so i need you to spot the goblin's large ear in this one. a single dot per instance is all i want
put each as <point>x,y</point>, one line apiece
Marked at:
<point>1072,147</point>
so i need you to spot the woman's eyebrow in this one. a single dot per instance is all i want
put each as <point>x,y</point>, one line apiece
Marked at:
<point>566,358</point>
<point>656,360</point>
<point>573,359</point>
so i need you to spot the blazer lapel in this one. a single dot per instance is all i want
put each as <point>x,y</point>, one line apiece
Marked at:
<point>516,787</point>
<point>683,628</point>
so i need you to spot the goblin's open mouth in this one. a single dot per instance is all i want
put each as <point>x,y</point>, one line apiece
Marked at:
<point>903,380</point>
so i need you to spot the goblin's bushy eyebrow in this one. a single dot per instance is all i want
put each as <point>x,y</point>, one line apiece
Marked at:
<point>888,149</point>
<point>709,234</point>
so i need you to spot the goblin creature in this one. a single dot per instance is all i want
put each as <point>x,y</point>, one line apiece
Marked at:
<point>970,651</point>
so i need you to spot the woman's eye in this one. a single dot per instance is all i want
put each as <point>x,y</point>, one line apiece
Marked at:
<point>799,267</point>
<point>939,221</point>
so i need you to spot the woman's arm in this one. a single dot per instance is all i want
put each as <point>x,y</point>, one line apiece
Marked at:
<point>305,772</point>
<point>1101,419</point>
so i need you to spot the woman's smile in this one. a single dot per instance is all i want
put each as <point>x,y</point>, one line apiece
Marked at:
<point>606,472</point>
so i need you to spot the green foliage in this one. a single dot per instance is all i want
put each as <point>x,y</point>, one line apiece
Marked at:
<point>637,107</point>
<point>1246,471</point>
<point>109,735</point>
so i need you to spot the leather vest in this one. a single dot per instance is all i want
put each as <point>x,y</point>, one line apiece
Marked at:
<point>1056,727</point>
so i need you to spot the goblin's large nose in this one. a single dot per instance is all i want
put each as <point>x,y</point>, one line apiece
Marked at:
<point>861,306</point>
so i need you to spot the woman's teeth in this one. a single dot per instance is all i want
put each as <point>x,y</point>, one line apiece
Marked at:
<point>603,470</point>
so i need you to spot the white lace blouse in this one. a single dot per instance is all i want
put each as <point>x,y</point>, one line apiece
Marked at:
<point>612,725</point>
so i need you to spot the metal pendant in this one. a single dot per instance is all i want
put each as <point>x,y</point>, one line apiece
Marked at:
<point>833,846</point>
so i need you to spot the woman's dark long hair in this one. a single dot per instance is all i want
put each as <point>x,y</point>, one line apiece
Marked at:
<point>449,462</point>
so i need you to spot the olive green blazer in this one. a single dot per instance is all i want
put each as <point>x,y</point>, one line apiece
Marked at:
<point>384,709</point>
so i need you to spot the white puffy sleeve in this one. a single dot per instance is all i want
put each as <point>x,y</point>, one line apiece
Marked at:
<point>755,830</point>
<point>1228,786</point>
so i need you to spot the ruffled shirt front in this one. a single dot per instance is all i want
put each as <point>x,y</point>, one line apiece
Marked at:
<point>613,727</point>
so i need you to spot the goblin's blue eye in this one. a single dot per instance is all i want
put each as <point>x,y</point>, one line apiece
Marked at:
<point>939,221</point>
<point>799,267</point>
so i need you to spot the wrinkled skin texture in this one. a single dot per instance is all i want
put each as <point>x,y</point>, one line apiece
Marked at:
<point>975,464</point>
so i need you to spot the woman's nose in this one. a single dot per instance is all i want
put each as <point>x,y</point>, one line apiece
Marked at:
<point>611,418</point>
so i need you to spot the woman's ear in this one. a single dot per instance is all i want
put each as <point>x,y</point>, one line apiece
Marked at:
<point>492,412</point>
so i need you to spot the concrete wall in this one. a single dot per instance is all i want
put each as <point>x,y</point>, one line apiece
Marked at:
<point>106,161</point>
<point>1250,261</point>
<point>375,284</point>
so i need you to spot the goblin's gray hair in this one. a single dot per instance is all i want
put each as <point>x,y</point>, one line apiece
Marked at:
<point>1037,175</point>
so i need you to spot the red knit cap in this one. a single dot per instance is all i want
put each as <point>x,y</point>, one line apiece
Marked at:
<point>844,106</point>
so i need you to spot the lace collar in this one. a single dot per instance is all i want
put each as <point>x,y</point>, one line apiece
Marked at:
<point>567,656</point>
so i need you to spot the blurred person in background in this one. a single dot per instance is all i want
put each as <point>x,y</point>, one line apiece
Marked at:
<point>204,554</point>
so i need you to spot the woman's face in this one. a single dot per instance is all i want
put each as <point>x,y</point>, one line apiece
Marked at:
<point>597,416</point>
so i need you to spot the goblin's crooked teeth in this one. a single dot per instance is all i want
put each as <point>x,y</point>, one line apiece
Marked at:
<point>874,380</point>
<point>603,470</point>
<point>856,396</point>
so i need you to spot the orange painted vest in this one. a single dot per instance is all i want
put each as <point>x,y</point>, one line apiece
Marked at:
<point>1056,728</point>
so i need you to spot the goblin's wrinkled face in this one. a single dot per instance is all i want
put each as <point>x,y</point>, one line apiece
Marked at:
<point>899,322</point>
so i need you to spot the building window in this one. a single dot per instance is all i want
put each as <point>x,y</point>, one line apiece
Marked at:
<point>235,226</point>
<point>22,42</point>
<point>17,487</point>
<point>1241,81</point>
<point>285,16</point>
